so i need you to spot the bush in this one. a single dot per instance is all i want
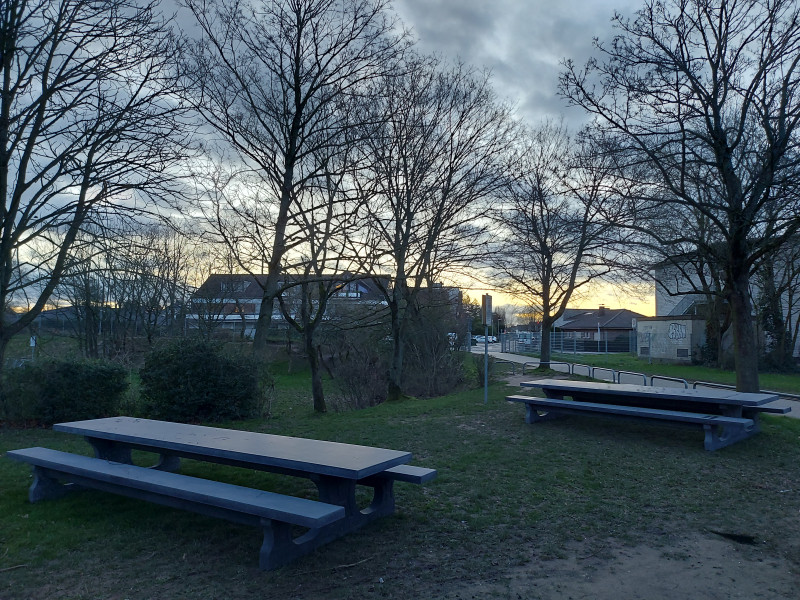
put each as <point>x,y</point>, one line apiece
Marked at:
<point>357,361</point>
<point>360,382</point>
<point>431,367</point>
<point>49,392</point>
<point>194,380</point>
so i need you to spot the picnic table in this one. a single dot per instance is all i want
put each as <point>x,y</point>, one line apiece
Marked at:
<point>726,416</point>
<point>336,469</point>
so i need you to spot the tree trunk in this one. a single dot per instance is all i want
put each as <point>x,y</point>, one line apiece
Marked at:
<point>545,352</point>
<point>264,321</point>
<point>395,388</point>
<point>317,391</point>
<point>744,334</point>
<point>274,271</point>
<point>4,339</point>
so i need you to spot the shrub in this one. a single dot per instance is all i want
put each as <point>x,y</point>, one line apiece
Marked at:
<point>194,380</point>
<point>360,382</point>
<point>431,367</point>
<point>48,392</point>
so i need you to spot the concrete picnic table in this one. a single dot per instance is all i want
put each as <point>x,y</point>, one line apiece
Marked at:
<point>726,416</point>
<point>703,400</point>
<point>336,469</point>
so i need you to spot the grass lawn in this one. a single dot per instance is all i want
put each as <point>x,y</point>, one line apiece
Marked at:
<point>509,496</point>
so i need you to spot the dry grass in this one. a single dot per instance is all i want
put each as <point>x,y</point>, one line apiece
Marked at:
<point>508,495</point>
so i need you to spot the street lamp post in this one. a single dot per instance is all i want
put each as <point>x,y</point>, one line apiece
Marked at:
<point>486,317</point>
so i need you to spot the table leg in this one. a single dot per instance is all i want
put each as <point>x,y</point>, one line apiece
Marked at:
<point>111,451</point>
<point>342,492</point>
<point>335,490</point>
<point>121,453</point>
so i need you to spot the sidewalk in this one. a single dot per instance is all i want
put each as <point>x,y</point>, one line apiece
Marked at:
<point>532,363</point>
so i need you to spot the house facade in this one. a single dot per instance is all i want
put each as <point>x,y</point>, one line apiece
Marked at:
<point>233,301</point>
<point>678,303</point>
<point>671,338</point>
<point>601,329</point>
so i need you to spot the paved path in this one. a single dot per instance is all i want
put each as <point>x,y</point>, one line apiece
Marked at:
<point>532,363</point>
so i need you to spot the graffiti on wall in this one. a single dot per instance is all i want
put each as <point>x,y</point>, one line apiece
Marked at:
<point>677,332</point>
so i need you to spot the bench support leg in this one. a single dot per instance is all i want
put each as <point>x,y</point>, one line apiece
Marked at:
<point>278,548</point>
<point>532,414</point>
<point>382,499</point>
<point>46,487</point>
<point>720,436</point>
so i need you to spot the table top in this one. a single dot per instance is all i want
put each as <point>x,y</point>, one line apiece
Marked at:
<point>719,396</point>
<point>259,449</point>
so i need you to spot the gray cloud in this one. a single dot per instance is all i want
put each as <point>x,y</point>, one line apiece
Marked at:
<point>521,41</point>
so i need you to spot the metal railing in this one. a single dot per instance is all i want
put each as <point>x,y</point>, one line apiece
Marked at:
<point>725,386</point>
<point>525,364</point>
<point>665,378</point>
<point>617,375</point>
<point>612,371</point>
<point>635,374</point>
<point>508,362</point>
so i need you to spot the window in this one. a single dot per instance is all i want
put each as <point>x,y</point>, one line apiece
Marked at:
<point>231,287</point>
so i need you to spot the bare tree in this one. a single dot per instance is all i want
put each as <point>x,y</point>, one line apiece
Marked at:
<point>436,156</point>
<point>148,265</point>
<point>82,288</point>
<point>271,77</point>
<point>789,267</point>
<point>122,280</point>
<point>777,300</point>
<point>703,96</point>
<point>328,263</point>
<point>87,117</point>
<point>555,236</point>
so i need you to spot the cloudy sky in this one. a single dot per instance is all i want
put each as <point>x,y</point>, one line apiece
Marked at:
<point>521,41</point>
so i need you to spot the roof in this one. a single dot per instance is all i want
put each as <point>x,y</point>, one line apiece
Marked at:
<point>604,318</point>
<point>243,286</point>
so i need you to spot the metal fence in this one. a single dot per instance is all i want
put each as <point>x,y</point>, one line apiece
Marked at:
<point>568,343</point>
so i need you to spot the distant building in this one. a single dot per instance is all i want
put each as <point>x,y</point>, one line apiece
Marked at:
<point>678,304</point>
<point>233,301</point>
<point>597,330</point>
<point>671,338</point>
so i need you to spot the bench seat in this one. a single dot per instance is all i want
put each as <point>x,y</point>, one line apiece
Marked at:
<point>720,431</point>
<point>406,473</point>
<point>275,513</point>
<point>775,410</point>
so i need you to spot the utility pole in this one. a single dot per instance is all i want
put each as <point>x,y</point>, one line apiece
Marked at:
<point>486,319</point>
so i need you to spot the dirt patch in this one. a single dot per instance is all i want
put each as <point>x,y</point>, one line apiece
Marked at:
<point>701,567</point>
